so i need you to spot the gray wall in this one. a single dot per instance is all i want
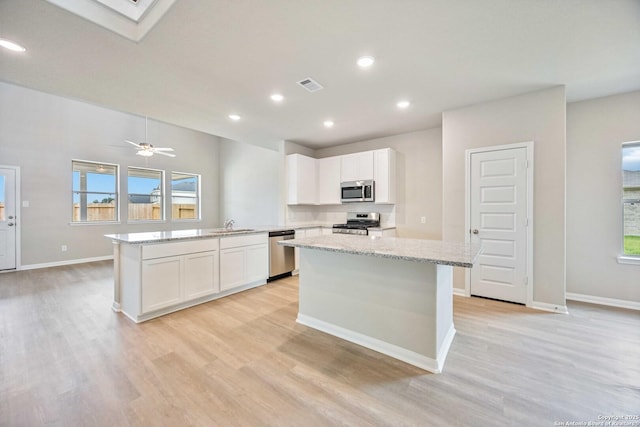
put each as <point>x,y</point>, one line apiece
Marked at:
<point>250,184</point>
<point>42,133</point>
<point>596,130</point>
<point>419,181</point>
<point>539,117</point>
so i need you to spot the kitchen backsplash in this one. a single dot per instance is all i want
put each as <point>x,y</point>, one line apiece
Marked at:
<point>307,214</point>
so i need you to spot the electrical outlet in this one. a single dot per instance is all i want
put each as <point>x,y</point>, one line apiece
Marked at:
<point>423,219</point>
<point>63,248</point>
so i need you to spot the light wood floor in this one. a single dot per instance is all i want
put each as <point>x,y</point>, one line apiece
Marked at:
<point>66,359</point>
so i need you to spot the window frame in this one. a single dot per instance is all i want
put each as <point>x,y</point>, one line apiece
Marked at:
<point>116,192</point>
<point>198,197</point>
<point>625,258</point>
<point>162,196</point>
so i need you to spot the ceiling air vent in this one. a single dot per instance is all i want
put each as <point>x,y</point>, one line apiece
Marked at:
<point>310,84</point>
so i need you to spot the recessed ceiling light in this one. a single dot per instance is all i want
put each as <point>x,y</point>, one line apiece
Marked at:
<point>234,117</point>
<point>365,61</point>
<point>403,104</point>
<point>328,123</point>
<point>8,44</point>
<point>276,97</point>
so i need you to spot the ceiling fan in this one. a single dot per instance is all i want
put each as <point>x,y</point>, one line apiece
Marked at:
<point>147,150</point>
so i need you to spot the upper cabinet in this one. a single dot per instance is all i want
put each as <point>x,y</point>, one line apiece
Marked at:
<point>301,180</point>
<point>384,175</point>
<point>356,166</point>
<point>317,181</point>
<point>329,181</point>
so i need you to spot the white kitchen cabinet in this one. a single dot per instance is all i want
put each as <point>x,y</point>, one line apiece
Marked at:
<point>201,274</point>
<point>233,266</point>
<point>161,283</point>
<point>384,175</point>
<point>171,280</point>
<point>317,181</point>
<point>257,264</point>
<point>388,232</point>
<point>356,166</point>
<point>301,180</point>
<point>244,260</point>
<point>329,181</point>
<point>169,274</point>
<point>313,232</point>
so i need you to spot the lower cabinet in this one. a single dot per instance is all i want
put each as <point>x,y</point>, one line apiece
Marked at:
<point>172,280</point>
<point>174,273</point>
<point>161,283</point>
<point>244,260</point>
<point>201,274</point>
<point>159,278</point>
<point>233,263</point>
<point>387,232</point>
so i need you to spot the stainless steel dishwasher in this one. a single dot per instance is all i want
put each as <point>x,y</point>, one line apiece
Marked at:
<point>281,258</point>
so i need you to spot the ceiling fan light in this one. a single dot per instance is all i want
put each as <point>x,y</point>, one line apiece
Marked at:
<point>145,153</point>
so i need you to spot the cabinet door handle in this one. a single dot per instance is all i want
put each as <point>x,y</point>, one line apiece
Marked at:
<point>475,231</point>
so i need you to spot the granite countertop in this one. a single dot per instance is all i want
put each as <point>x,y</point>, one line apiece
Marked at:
<point>417,250</point>
<point>204,233</point>
<point>166,236</point>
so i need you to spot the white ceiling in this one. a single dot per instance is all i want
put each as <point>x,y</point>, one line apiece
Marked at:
<point>206,59</point>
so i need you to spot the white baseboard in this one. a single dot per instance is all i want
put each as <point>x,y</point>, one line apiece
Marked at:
<point>612,302</point>
<point>444,350</point>
<point>408,356</point>
<point>460,292</point>
<point>545,306</point>
<point>67,262</point>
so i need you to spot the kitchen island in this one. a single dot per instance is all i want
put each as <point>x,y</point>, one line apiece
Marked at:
<point>157,273</point>
<point>389,294</point>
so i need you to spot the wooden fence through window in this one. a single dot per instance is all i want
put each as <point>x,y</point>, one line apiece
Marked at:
<point>137,211</point>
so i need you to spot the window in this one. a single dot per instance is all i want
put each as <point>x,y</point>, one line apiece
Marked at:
<point>146,194</point>
<point>95,192</point>
<point>631,197</point>
<point>185,196</point>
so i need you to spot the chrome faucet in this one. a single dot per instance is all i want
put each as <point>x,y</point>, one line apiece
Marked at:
<point>228,224</point>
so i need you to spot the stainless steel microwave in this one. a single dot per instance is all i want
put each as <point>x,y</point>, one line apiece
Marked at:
<point>357,191</point>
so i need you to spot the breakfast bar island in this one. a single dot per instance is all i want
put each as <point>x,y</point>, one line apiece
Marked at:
<point>392,295</point>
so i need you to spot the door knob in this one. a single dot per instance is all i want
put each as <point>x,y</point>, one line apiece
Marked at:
<point>10,224</point>
<point>10,216</point>
<point>475,231</point>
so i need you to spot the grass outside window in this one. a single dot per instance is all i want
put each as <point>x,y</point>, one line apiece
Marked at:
<point>632,245</point>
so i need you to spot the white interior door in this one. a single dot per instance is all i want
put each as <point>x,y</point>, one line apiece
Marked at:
<point>8,219</point>
<point>498,220</point>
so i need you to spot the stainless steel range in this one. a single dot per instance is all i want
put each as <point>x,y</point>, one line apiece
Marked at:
<point>358,223</point>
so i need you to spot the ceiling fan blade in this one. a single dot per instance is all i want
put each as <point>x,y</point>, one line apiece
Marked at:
<point>164,154</point>
<point>133,143</point>
<point>163,149</point>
